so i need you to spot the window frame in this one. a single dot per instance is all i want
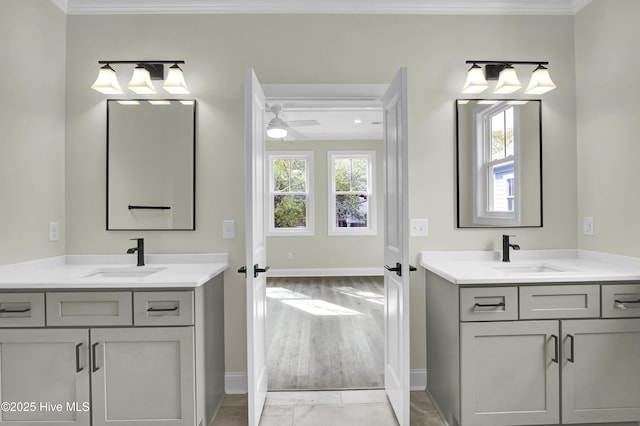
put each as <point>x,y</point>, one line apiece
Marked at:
<point>309,229</point>
<point>483,215</point>
<point>371,228</point>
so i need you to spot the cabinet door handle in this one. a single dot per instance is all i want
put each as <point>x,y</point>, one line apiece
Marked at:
<point>556,348</point>
<point>175,308</point>
<point>489,305</point>
<point>621,304</point>
<point>78,367</point>
<point>93,356</point>
<point>572,349</point>
<point>18,311</point>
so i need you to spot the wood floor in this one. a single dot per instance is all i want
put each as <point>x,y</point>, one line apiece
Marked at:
<point>325,333</point>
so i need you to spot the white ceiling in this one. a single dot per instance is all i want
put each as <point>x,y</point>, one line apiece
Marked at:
<point>462,7</point>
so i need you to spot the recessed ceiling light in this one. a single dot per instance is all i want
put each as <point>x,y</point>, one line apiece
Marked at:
<point>357,121</point>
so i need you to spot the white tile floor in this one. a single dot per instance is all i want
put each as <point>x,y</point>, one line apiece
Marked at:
<point>322,408</point>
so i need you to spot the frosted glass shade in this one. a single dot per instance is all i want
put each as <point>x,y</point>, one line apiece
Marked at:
<point>277,129</point>
<point>174,83</point>
<point>476,83</point>
<point>107,81</point>
<point>507,81</point>
<point>540,82</point>
<point>141,81</point>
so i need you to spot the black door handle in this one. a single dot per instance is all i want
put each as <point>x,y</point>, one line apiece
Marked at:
<point>257,270</point>
<point>243,270</point>
<point>398,268</point>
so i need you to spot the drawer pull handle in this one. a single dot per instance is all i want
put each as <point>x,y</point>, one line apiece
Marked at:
<point>556,349</point>
<point>489,305</point>
<point>93,355</point>
<point>175,308</point>
<point>621,304</point>
<point>572,346</point>
<point>78,367</point>
<point>14,311</point>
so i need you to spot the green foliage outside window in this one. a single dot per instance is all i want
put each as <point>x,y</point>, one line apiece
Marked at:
<point>290,187</point>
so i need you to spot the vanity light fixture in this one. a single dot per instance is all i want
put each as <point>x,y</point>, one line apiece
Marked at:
<point>508,81</point>
<point>476,83</point>
<point>140,82</point>
<point>142,79</point>
<point>107,81</point>
<point>174,83</point>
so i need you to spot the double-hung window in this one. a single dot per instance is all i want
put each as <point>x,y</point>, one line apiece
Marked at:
<point>290,193</point>
<point>497,173</point>
<point>351,203</point>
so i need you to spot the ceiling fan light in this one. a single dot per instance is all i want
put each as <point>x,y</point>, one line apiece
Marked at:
<point>174,83</point>
<point>508,81</point>
<point>277,132</point>
<point>140,82</point>
<point>540,82</point>
<point>476,82</point>
<point>107,81</point>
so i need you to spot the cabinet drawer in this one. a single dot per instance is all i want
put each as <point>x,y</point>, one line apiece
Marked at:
<point>489,304</point>
<point>560,301</point>
<point>621,300</point>
<point>21,309</point>
<point>163,308</point>
<point>89,309</point>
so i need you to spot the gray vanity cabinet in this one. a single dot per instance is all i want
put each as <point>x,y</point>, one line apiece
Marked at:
<point>509,373</point>
<point>532,354</point>
<point>600,374</point>
<point>149,357</point>
<point>44,377</point>
<point>143,376</point>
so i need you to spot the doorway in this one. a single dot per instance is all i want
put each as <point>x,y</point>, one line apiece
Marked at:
<point>396,232</point>
<point>325,292</point>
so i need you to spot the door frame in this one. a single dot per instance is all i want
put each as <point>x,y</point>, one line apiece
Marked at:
<point>327,94</point>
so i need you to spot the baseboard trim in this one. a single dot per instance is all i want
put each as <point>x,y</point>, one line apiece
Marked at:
<point>236,382</point>
<point>327,272</point>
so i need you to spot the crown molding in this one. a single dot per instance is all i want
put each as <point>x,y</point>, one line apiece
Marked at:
<point>435,7</point>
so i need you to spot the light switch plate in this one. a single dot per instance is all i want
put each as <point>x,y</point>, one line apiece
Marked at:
<point>419,227</point>
<point>228,229</point>
<point>587,225</point>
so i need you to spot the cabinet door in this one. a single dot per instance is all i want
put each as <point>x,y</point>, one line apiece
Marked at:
<point>143,376</point>
<point>601,378</point>
<point>509,373</point>
<point>44,377</point>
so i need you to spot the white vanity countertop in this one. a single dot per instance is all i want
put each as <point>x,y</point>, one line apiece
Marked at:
<point>113,271</point>
<point>531,266</point>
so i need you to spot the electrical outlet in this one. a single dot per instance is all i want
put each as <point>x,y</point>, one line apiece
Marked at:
<point>228,229</point>
<point>290,255</point>
<point>587,225</point>
<point>54,231</point>
<point>419,227</point>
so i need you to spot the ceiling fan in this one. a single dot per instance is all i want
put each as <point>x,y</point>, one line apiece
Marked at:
<point>280,129</point>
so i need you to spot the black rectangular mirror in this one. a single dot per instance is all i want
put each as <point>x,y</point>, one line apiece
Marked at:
<point>499,163</point>
<point>151,164</point>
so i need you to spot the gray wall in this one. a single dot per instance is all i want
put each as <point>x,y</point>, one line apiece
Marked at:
<point>607,69</point>
<point>317,49</point>
<point>32,107</point>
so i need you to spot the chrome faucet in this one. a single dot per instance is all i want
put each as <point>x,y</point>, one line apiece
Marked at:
<point>506,245</point>
<point>139,248</point>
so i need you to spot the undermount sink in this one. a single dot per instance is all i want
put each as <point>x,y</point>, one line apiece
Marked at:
<point>127,272</point>
<point>528,269</point>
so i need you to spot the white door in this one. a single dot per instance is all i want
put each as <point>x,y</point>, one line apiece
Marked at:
<point>256,247</point>
<point>396,248</point>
